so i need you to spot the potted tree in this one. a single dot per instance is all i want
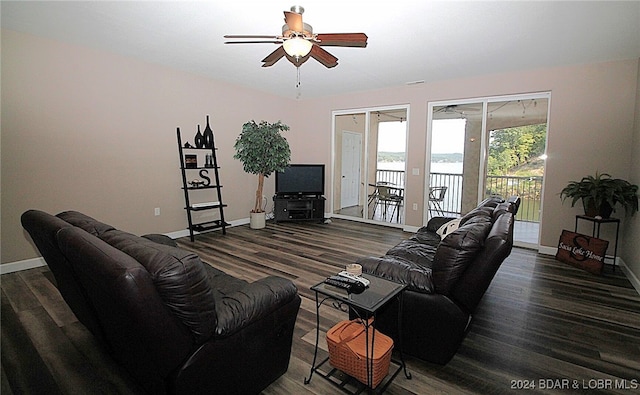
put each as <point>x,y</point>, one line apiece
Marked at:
<point>601,193</point>
<point>262,150</point>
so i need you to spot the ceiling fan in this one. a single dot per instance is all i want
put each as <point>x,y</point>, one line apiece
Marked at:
<point>299,43</point>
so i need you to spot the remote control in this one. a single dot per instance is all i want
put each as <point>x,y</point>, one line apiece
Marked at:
<point>351,286</point>
<point>346,274</point>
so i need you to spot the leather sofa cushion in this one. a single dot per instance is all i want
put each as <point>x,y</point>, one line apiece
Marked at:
<point>415,251</point>
<point>160,238</point>
<point>85,222</point>
<point>500,209</point>
<point>491,201</point>
<point>497,246</point>
<point>484,212</point>
<point>179,277</point>
<point>398,269</point>
<point>131,312</point>
<point>424,235</point>
<point>239,303</point>
<point>43,228</point>
<point>456,251</point>
<point>434,224</point>
<point>249,304</point>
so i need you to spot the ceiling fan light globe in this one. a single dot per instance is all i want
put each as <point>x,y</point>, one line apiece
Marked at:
<point>297,47</point>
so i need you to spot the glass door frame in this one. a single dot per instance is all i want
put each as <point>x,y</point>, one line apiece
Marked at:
<point>367,111</point>
<point>484,140</point>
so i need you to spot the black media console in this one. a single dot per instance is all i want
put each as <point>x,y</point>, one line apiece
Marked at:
<point>298,208</point>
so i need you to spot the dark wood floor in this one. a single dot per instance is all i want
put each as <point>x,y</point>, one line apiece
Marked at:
<point>540,320</point>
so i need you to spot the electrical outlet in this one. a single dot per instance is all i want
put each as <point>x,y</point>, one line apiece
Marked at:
<point>415,206</point>
<point>156,211</point>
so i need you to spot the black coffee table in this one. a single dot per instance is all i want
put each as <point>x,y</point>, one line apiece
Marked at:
<point>377,294</point>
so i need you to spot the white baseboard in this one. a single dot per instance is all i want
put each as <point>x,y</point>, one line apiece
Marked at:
<point>22,265</point>
<point>633,279</point>
<point>412,229</point>
<point>26,264</point>
<point>548,250</point>
<point>185,232</point>
<point>37,262</point>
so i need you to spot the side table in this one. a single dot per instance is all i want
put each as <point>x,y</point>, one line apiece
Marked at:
<point>595,231</point>
<point>378,294</point>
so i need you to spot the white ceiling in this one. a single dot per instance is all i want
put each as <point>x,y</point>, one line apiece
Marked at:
<point>409,40</point>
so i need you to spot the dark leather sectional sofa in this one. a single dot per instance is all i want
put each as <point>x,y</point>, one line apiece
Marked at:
<point>446,278</point>
<point>177,325</point>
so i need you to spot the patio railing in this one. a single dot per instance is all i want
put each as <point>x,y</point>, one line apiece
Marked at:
<point>395,177</point>
<point>528,188</point>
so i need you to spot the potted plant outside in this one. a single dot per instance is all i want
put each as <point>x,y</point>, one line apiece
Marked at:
<point>262,150</point>
<point>601,194</point>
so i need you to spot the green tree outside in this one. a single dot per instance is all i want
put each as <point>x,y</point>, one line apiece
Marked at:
<point>515,164</point>
<point>515,151</point>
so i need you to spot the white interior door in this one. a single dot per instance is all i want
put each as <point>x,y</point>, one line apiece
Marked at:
<point>351,157</point>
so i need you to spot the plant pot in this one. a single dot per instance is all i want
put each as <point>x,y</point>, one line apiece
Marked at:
<point>257,220</point>
<point>603,211</point>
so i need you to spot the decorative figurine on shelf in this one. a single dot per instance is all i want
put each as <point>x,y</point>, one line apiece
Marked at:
<point>199,139</point>
<point>191,161</point>
<point>208,160</point>
<point>208,135</point>
<point>205,174</point>
<point>187,145</point>
<point>196,183</point>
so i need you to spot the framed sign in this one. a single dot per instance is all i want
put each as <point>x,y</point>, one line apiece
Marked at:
<point>581,251</point>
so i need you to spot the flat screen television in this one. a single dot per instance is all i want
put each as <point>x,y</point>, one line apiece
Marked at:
<point>300,179</point>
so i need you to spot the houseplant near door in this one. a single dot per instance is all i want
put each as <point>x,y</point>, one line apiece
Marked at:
<point>262,150</point>
<point>601,193</point>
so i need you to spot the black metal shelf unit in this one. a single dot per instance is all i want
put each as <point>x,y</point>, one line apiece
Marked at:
<point>200,191</point>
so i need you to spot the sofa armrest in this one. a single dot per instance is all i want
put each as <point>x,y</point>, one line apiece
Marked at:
<point>399,270</point>
<point>433,325</point>
<point>258,299</point>
<point>161,239</point>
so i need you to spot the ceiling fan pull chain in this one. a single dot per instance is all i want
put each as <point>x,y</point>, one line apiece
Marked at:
<point>298,89</point>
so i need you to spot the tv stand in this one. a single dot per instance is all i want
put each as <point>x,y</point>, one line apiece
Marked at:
<point>298,208</point>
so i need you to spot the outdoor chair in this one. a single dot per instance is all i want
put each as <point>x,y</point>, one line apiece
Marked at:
<point>389,196</point>
<point>436,200</point>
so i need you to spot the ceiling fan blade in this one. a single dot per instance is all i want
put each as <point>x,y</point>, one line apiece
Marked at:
<point>294,21</point>
<point>244,36</point>
<point>342,39</point>
<point>323,56</point>
<point>273,57</point>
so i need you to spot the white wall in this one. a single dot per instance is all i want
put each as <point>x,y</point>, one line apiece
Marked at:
<point>95,132</point>
<point>630,251</point>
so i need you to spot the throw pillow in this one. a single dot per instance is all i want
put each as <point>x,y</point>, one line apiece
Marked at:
<point>448,227</point>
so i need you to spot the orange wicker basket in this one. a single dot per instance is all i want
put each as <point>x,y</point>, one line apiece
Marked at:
<point>347,352</point>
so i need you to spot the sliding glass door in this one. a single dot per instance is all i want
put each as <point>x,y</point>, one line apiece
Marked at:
<point>517,136</point>
<point>488,146</point>
<point>369,151</point>
<point>456,155</point>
